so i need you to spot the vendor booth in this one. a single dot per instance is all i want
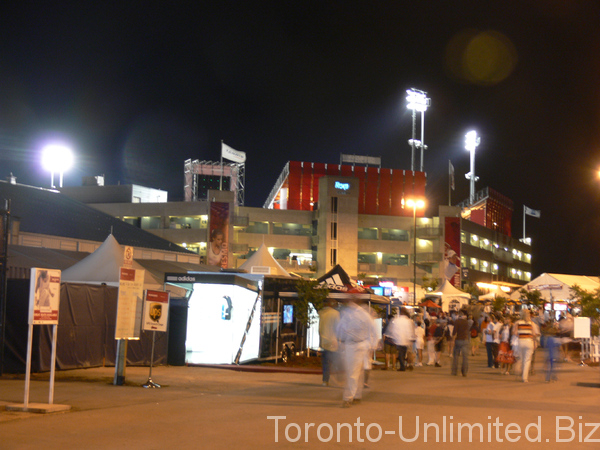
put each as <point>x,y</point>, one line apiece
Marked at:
<point>450,298</point>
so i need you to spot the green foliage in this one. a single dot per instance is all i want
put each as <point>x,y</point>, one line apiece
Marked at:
<point>499,303</point>
<point>472,289</point>
<point>430,284</point>
<point>589,301</point>
<point>309,295</point>
<point>533,297</point>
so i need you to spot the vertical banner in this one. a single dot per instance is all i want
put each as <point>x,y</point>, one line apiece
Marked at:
<point>452,251</point>
<point>216,251</point>
<point>44,296</point>
<point>156,311</point>
<point>129,303</point>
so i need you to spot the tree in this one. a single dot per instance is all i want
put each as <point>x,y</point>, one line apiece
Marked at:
<point>499,303</point>
<point>590,305</point>
<point>430,284</point>
<point>533,297</point>
<point>309,295</point>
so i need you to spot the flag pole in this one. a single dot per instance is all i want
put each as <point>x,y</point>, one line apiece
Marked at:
<point>449,185</point>
<point>524,214</point>
<point>221,179</point>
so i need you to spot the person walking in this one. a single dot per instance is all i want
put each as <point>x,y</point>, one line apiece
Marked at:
<point>354,331</point>
<point>462,340</point>
<point>329,318</point>
<point>403,333</point>
<point>524,329</point>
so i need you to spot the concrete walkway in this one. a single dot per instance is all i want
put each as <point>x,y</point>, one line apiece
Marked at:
<point>200,407</point>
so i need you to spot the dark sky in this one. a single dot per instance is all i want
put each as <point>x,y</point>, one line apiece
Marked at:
<point>138,87</point>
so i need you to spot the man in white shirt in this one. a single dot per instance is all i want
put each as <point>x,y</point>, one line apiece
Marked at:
<point>355,332</point>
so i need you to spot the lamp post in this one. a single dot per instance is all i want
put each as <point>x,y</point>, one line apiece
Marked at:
<point>471,143</point>
<point>414,204</point>
<point>417,101</point>
<point>57,158</point>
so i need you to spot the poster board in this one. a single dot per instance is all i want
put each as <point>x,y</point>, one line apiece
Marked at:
<point>129,303</point>
<point>582,328</point>
<point>44,296</point>
<point>156,311</point>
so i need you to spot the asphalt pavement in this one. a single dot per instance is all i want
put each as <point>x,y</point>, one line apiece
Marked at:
<point>258,407</point>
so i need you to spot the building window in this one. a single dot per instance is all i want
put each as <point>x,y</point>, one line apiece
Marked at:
<point>333,256</point>
<point>150,223</point>
<point>367,233</point>
<point>257,228</point>
<point>334,205</point>
<point>390,234</point>
<point>485,244</point>
<point>294,229</point>
<point>135,221</point>
<point>395,259</point>
<point>333,230</point>
<point>367,258</point>
<point>184,222</point>
<point>463,237</point>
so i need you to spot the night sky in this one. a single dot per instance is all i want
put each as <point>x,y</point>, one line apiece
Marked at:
<point>136,88</point>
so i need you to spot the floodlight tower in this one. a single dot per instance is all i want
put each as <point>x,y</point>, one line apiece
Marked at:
<point>417,101</point>
<point>57,158</point>
<point>471,143</point>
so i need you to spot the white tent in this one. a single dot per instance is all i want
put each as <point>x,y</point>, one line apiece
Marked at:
<point>102,267</point>
<point>555,286</point>
<point>494,293</point>
<point>263,263</point>
<point>451,298</point>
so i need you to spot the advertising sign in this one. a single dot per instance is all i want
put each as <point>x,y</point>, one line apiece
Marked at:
<point>44,296</point>
<point>156,311</point>
<point>216,251</point>
<point>452,251</point>
<point>129,303</point>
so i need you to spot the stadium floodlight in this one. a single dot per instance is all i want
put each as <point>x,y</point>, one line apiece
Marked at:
<point>471,143</point>
<point>57,158</point>
<point>417,101</point>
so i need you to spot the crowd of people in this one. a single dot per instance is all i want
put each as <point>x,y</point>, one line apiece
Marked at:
<point>411,339</point>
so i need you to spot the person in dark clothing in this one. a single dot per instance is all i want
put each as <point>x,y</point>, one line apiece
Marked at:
<point>462,336</point>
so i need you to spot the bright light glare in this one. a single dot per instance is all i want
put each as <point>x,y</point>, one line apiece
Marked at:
<point>472,141</point>
<point>417,204</point>
<point>57,158</point>
<point>417,100</point>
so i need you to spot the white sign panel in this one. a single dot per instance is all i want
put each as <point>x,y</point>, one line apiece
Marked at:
<point>156,311</point>
<point>582,328</point>
<point>129,304</point>
<point>44,296</point>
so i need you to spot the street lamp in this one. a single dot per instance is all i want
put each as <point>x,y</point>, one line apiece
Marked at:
<point>414,204</point>
<point>417,101</point>
<point>56,158</point>
<point>471,143</point>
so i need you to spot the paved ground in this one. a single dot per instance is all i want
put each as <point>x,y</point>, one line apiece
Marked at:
<point>201,407</point>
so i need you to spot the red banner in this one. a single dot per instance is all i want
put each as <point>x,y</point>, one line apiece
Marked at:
<point>216,251</point>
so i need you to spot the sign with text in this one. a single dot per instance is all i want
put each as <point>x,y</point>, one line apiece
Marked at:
<point>129,303</point>
<point>156,311</point>
<point>128,256</point>
<point>44,296</point>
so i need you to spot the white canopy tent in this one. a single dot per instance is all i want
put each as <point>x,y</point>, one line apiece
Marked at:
<point>451,298</point>
<point>102,267</point>
<point>554,286</point>
<point>263,263</point>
